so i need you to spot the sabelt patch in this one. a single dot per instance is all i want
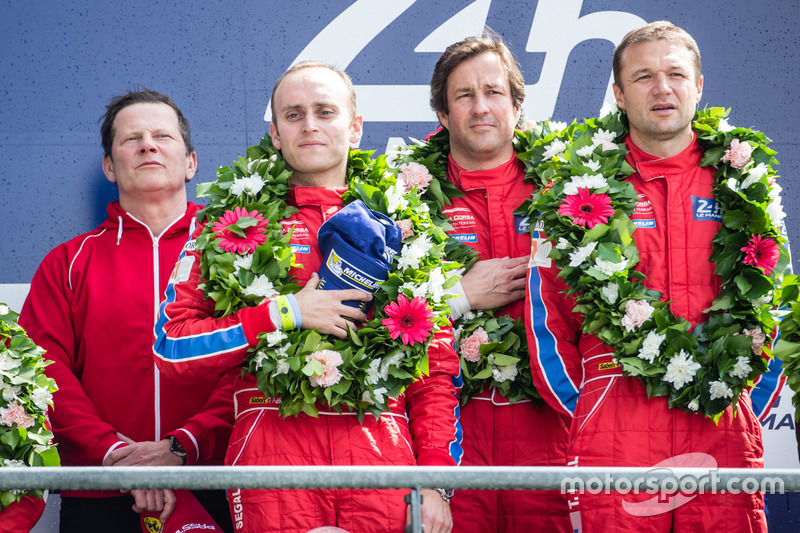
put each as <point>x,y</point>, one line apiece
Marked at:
<point>608,365</point>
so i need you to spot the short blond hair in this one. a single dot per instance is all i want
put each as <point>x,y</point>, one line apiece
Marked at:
<point>303,65</point>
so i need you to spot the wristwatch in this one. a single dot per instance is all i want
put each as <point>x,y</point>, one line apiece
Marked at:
<point>446,494</point>
<point>176,448</point>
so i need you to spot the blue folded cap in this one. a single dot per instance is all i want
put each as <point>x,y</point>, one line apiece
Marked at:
<point>358,246</point>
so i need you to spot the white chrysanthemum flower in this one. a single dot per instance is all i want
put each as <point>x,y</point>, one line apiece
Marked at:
<point>414,252</point>
<point>586,181</point>
<point>373,374</point>
<point>436,280</point>
<point>4,310</point>
<point>603,137</point>
<point>732,184</point>
<point>758,171</point>
<point>608,108</point>
<point>282,351</point>
<point>281,367</point>
<point>243,261</point>
<point>650,346</point>
<point>610,292</point>
<point>723,126</point>
<point>379,394</point>
<point>392,361</point>
<point>556,126</point>
<point>469,315</point>
<point>776,213</point>
<point>395,199</point>
<point>10,391</point>
<point>261,286</point>
<point>504,373</point>
<point>366,397</point>
<point>774,192</point>
<point>741,369</point>
<point>396,152</point>
<point>41,397</point>
<point>416,290</point>
<point>681,370</point>
<point>609,268</point>
<point>553,149</point>
<point>562,244</point>
<point>718,389</point>
<point>577,257</point>
<point>260,359</point>
<point>594,165</point>
<point>8,363</point>
<point>250,185</point>
<point>586,151</point>
<point>694,405</point>
<point>274,338</point>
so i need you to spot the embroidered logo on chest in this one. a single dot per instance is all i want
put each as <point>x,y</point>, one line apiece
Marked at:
<point>463,222</point>
<point>706,209</point>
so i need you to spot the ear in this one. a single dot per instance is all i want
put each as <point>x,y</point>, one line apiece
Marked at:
<point>443,119</point>
<point>273,132</point>
<point>699,89</point>
<point>356,129</point>
<point>618,96</point>
<point>517,113</point>
<point>191,165</point>
<point>108,169</point>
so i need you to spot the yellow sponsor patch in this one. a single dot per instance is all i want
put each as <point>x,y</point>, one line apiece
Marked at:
<point>608,366</point>
<point>153,524</point>
<point>258,400</point>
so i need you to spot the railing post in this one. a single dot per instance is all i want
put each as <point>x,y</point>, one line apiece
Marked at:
<point>414,499</point>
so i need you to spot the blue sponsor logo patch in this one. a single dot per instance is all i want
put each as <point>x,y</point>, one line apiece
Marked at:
<point>522,224</point>
<point>301,248</point>
<point>466,237</point>
<point>706,209</point>
<point>649,223</point>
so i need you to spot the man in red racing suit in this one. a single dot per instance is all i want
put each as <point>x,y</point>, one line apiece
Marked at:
<point>658,84</point>
<point>476,91</point>
<point>420,427</point>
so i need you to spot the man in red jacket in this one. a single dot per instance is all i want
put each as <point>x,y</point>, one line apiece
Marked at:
<point>92,305</point>
<point>658,84</point>
<point>314,121</point>
<point>476,91</point>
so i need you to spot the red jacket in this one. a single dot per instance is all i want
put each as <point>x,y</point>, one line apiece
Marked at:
<point>192,343</point>
<point>92,305</point>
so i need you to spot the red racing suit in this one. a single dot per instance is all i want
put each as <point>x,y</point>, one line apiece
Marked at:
<point>497,433</point>
<point>615,424</point>
<point>421,427</point>
<point>92,305</point>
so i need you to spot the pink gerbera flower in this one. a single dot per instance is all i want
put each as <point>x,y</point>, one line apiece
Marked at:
<point>587,209</point>
<point>411,319</point>
<point>240,232</point>
<point>761,252</point>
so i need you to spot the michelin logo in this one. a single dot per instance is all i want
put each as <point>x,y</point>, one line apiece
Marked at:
<point>342,269</point>
<point>557,28</point>
<point>466,237</point>
<point>301,248</point>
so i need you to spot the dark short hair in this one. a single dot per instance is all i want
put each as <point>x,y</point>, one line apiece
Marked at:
<point>144,96</point>
<point>348,82</point>
<point>656,31</point>
<point>488,42</point>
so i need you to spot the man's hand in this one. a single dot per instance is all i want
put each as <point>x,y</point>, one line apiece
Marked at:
<point>324,310</point>
<point>495,283</point>
<point>147,453</point>
<point>436,517</point>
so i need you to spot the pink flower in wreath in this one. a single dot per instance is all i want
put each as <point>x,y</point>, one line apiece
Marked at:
<point>762,252</point>
<point>240,240</point>
<point>415,174</point>
<point>15,413</point>
<point>331,375</point>
<point>411,319</point>
<point>738,154</point>
<point>431,134</point>
<point>637,312</point>
<point>406,228</point>
<point>758,338</point>
<point>471,346</point>
<point>586,208</point>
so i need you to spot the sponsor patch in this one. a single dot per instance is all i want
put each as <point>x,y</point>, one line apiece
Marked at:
<point>466,237</point>
<point>350,274</point>
<point>522,224</point>
<point>641,223</point>
<point>182,270</point>
<point>538,229</point>
<point>540,249</point>
<point>152,524</point>
<point>608,366</point>
<point>643,216</point>
<point>706,209</point>
<point>297,227</point>
<point>301,248</point>
<point>190,245</point>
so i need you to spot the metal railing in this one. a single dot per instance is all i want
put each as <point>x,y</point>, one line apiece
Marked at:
<point>565,479</point>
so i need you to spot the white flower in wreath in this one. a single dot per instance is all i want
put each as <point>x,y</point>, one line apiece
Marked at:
<point>602,136</point>
<point>261,286</point>
<point>395,199</point>
<point>741,369</point>
<point>392,361</point>
<point>609,268</point>
<point>757,172</point>
<point>417,290</point>
<point>553,149</point>
<point>10,391</point>
<point>557,127</point>
<point>398,151</point>
<point>732,184</point>
<point>504,373</point>
<point>250,185</point>
<point>282,367</point>
<point>586,181</point>
<point>4,310</point>
<point>723,126</point>
<point>8,363</point>
<point>436,281</point>
<point>373,374</point>
<point>694,405</point>
<point>379,394</point>
<point>586,151</point>
<point>650,346</point>
<point>610,292</point>
<point>243,261</point>
<point>776,213</point>
<point>607,109</point>
<point>260,358</point>
<point>562,243</point>
<point>681,370</point>
<point>274,338</point>
<point>414,252</point>
<point>577,257</point>
<point>718,389</point>
<point>594,165</point>
<point>41,397</point>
